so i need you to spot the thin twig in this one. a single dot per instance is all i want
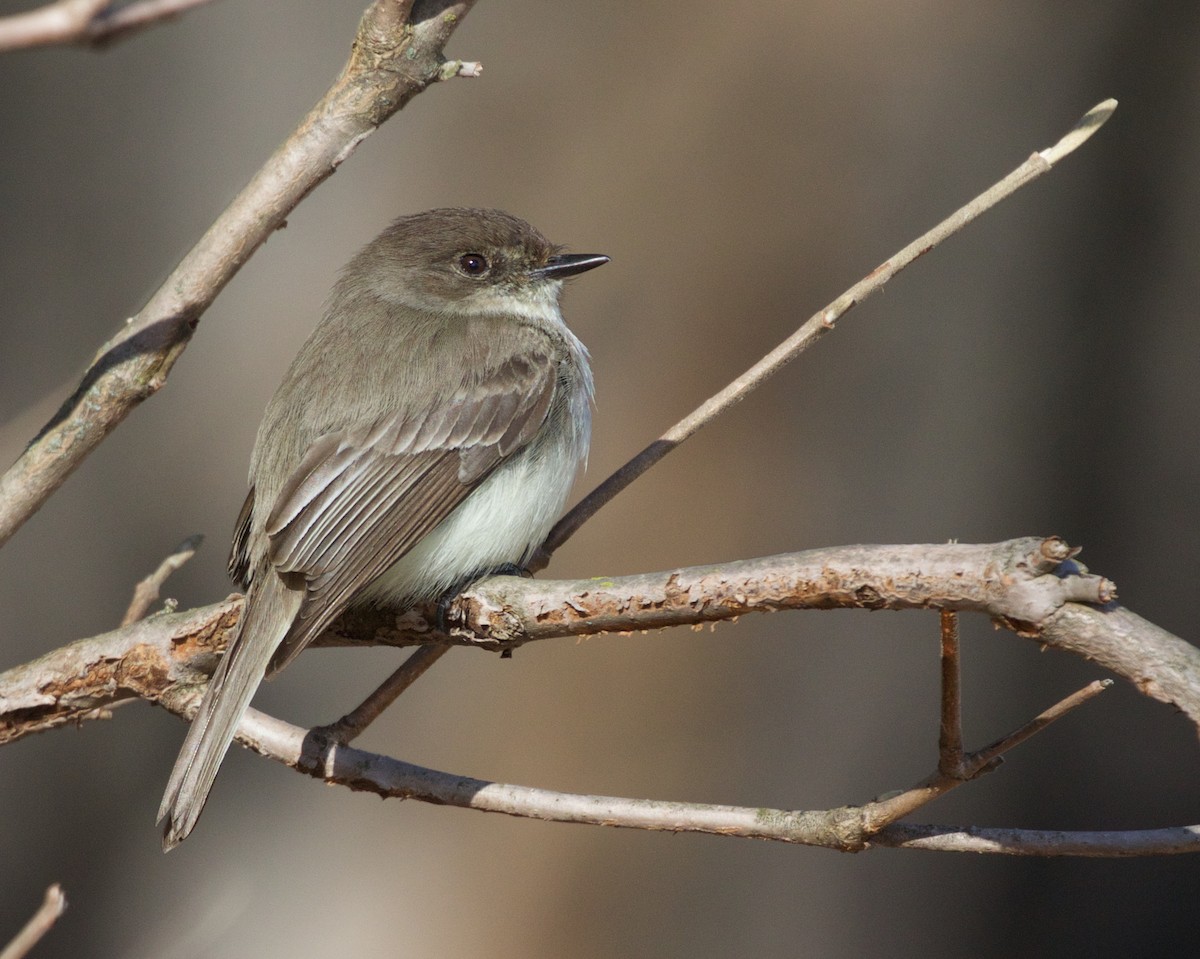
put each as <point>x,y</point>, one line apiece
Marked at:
<point>950,737</point>
<point>146,593</point>
<point>990,753</point>
<point>1169,841</point>
<point>884,812</point>
<point>86,21</point>
<point>352,725</point>
<point>396,55</point>
<point>817,326</point>
<point>847,829</point>
<point>120,22</point>
<point>61,22</point>
<point>40,923</point>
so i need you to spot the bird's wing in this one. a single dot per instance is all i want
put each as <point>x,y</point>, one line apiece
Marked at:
<point>362,497</point>
<point>359,499</point>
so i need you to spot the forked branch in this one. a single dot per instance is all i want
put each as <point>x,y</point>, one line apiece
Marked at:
<point>847,829</point>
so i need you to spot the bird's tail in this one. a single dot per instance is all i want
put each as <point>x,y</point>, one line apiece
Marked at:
<point>266,619</point>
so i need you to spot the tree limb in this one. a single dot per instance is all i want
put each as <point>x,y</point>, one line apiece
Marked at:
<point>396,55</point>
<point>1018,583</point>
<point>847,829</point>
<point>1031,585</point>
<point>950,735</point>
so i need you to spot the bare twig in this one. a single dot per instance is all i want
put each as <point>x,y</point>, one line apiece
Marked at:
<point>352,725</point>
<point>882,813</point>
<point>62,22</point>
<point>1172,840</point>
<point>40,923</point>
<point>119,22</point>
<point>993,751</point>
<point>86,21</point>
<point>146,593</point>
<point>950,738</point>
<point>396,55</point>
<point>848,829</point>
<point>817,326</point>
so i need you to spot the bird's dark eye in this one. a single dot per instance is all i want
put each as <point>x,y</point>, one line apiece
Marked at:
<point>473,264</point>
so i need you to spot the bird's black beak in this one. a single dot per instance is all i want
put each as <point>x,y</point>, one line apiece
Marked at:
<point>568,264</point>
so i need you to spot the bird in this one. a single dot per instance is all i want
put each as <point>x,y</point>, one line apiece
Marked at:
<point>427,434</point>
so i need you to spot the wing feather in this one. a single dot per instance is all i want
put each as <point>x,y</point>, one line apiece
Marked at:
<point>363,496</point>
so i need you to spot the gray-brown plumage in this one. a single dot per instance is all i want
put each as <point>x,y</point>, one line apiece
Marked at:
<point>428,431</point>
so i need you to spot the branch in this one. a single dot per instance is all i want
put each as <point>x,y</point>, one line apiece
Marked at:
<point>148,590</point>
<point>883,812</point>
<point>847,829</point>
<point>80,681</point>
<point>396,55</point>
<point>1018,583</point>
<point>1161,665</point>
<point>950,734</point>
<point>53,905</point>
<point>88,22</point>
<point>1171,840</point>
<point>1030,585</point>
<point>352,725</point>
<point>817,326</point>
<point>955,766</point>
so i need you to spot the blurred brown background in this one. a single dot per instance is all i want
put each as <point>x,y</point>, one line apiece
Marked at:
<point>742,164</point>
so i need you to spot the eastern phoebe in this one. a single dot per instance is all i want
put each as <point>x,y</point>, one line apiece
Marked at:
<point>428,433</point>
